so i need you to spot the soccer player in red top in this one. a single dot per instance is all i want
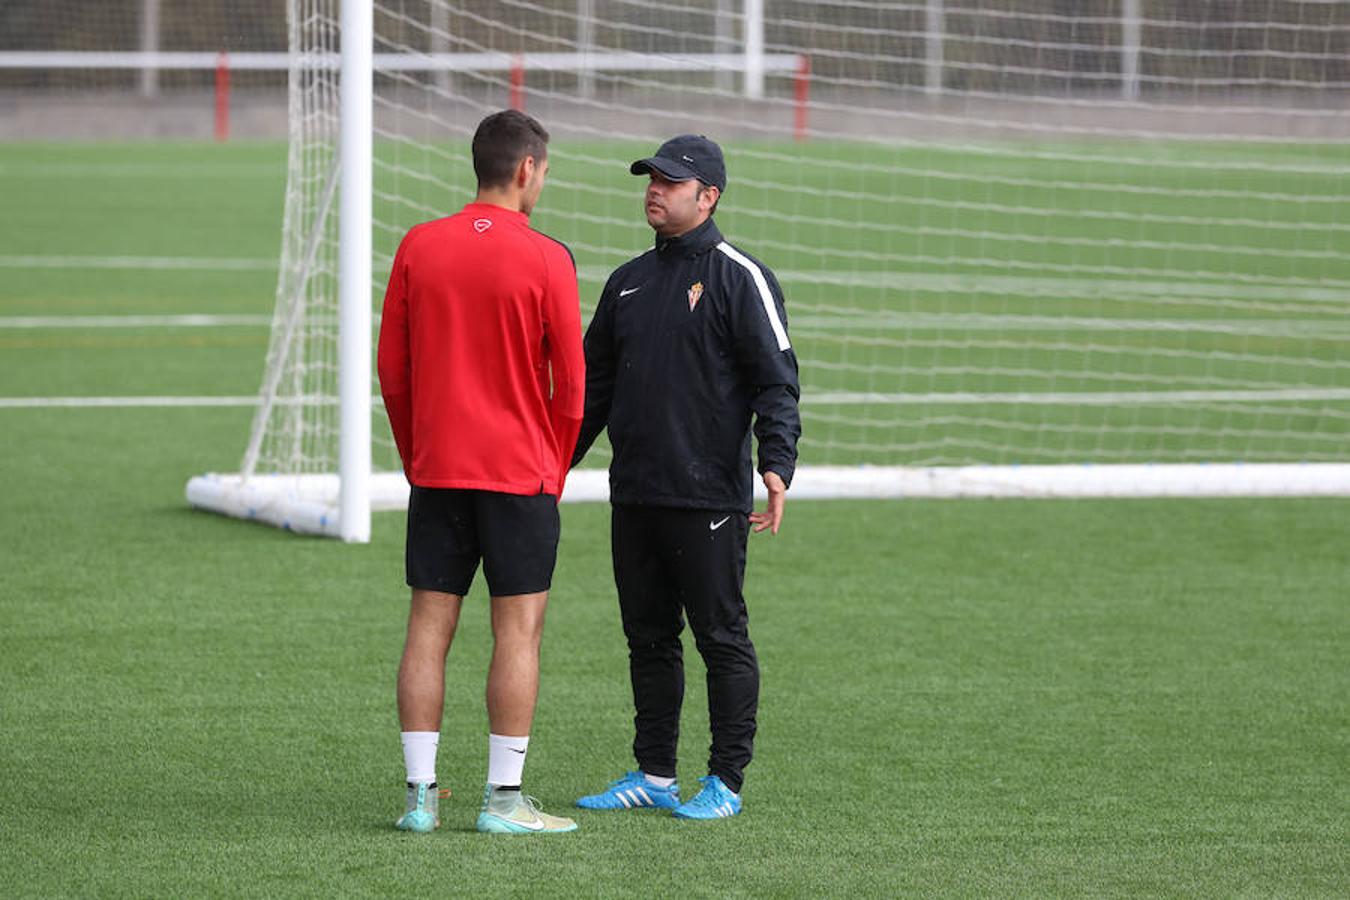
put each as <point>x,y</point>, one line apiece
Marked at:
<point>483,375</point>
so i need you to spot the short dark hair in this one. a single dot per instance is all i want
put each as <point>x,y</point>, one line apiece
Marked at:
<point>502,140</point>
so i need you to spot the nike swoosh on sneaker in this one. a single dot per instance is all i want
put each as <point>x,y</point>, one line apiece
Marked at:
<point>532,825</point>
<point>713,526</point>
<point>626,291</point>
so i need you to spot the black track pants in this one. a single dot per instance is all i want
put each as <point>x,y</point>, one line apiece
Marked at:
<point>669,563</point>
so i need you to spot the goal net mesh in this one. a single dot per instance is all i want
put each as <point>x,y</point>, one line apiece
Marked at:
<point>1008,231</point>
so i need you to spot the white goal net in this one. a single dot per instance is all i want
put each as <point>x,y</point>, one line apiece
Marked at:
<point>1029,247</point>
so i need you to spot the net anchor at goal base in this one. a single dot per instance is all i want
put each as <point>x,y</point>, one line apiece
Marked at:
<point>304,504</point>
<point>307,504</point>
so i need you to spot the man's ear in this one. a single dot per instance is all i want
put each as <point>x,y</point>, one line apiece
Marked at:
<point>711,192</point>
<point>524,171</point>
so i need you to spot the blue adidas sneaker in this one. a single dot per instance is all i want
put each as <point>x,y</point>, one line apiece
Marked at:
<point>633,791</point>
<point>715,801</point>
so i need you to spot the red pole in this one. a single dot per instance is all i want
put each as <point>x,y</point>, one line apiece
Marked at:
<point>801,91</point>
<point>222,97</point>
<point>518,83</point>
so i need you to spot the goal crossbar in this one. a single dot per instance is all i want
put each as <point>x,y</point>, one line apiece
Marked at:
<point>403,62</point>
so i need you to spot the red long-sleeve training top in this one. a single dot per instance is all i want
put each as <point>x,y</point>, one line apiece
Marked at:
<point>480,356</point>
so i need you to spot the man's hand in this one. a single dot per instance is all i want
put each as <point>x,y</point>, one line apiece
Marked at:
<point>772,516</point>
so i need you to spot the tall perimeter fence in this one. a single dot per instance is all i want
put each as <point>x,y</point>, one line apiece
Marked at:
<point>172,68</point>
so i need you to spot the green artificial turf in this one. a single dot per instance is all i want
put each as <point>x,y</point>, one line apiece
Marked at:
<point>960,698</point>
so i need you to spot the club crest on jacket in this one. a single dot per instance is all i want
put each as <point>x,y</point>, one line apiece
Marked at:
<point>695,291</point>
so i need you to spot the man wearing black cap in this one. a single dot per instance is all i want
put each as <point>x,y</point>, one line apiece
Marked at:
<point>687,347</point>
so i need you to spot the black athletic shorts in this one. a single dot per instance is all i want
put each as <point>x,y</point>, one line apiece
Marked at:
<point>450,530</point>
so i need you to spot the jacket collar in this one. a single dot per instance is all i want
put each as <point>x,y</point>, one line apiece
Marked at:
<point>691,243</point>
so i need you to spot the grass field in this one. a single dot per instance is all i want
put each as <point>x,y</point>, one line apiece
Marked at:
<point>962,698</point>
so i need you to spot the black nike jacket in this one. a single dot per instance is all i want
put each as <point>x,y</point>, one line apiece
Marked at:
<point>688,342</point>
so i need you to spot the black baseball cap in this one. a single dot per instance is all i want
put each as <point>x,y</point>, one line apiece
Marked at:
<point>684,157</point>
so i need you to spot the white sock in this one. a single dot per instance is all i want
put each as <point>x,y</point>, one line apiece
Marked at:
<point>419,755</point>
<point>658,780</point>
<point>506,759</point>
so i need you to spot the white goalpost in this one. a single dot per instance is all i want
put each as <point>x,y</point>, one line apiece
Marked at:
<point>1026,253</point>
<point>356,104</point>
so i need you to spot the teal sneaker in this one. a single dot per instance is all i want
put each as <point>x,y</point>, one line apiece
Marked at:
<point>423,813</point>
<point>633,791</point>
<point>511,812</point>
<point>715,801</point>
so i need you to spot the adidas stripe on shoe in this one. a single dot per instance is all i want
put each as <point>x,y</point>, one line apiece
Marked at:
<point>715,801</point>
<point>633,791</point>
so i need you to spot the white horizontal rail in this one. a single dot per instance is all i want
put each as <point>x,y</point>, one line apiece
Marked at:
<point>308,503</point>
<point>401,62</point>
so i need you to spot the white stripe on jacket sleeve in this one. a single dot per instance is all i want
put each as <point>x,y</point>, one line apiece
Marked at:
<point>770,308</point>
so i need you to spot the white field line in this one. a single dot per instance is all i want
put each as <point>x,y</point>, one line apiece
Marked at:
<point>202,263</point>
<point>1329,329</point>
<point>141,170</point>
<point>1070,398</point>
<point>809,398</point>
<point>1018,285</point>
<point>194,320</point>
<point>120,402</point>
<point>1323,329</point>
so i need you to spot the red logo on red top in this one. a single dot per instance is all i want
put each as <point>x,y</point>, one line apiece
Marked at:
<point>481,225</point>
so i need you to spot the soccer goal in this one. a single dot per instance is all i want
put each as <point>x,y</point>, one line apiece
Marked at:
<point>1025,252</point>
